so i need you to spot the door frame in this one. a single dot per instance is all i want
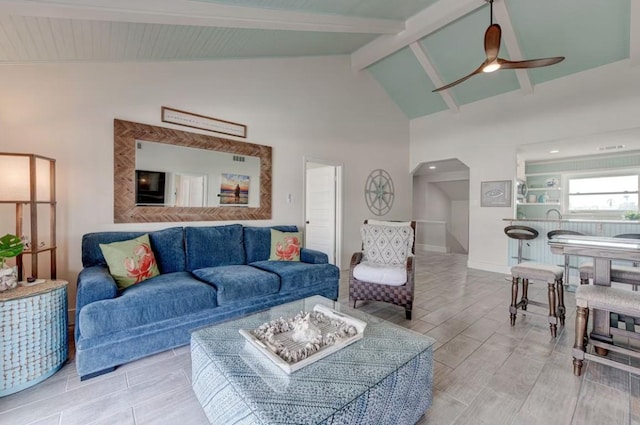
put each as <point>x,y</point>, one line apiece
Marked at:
<point>338,166</point>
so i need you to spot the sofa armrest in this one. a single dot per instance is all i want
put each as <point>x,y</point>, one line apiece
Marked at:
<point>94,284</point>
<point>312,256</point>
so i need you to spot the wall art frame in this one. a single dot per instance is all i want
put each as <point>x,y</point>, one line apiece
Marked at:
<point>202,122</point>
<point>496,193</point>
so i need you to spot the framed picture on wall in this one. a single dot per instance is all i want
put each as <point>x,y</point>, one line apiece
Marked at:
<point>495,194</point>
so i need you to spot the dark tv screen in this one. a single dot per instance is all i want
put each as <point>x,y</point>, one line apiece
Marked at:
<point>150,187</point>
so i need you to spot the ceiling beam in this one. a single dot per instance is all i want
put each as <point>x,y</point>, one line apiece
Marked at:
<point>431,71</point>
<point>510,41</point>
<point>197,13</point>
<point>634,43</point>
<point>418,26</point>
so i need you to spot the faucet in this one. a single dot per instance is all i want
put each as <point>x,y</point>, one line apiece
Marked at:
<point>556,211</point>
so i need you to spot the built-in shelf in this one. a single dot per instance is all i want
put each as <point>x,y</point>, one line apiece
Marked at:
<point>529,189</point>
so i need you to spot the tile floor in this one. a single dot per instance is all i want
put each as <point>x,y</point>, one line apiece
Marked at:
<point>486,372</point>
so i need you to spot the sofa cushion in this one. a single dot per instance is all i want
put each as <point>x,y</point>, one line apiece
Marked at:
<point>130,262</point>
<point>285,246</point>
<point>214,246</point>
<point>295,274</point>
<point>167,245</point>
<point>160,298</point>
<point>237,283</point>
<point>257,241</point>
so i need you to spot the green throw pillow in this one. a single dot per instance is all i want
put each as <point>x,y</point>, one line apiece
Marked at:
<point>130,262</point>
<point>285,246</point>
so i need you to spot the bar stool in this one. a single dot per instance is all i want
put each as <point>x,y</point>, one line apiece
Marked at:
<point>537,271</point>
<point>521,233</point>
<point>553,233</point>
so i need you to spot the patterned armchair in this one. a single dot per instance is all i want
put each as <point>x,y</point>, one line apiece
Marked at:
<point>384,270</point>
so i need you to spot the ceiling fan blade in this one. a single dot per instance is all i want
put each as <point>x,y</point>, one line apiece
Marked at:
<point>492,42</point>
<point>531,63</point>
<point>455,83</point>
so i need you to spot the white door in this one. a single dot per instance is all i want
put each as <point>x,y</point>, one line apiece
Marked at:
<point>321,209</point>
<point>190,190</point>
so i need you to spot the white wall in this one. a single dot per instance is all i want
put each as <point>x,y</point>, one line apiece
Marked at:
<point>429,202</point>
<point>485,136</point>
<point>459,227</point>
<point>311,106</point>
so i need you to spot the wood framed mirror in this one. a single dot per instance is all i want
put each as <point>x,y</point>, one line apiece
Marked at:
<point>147,192</point>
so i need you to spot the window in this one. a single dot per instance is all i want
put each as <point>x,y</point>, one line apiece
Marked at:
<point>603,193</point>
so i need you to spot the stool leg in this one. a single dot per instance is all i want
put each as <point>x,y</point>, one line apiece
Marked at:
<point>553,317</point>
<point>561,309</point>
<point>513,308</point>
<point>579,345</point>
<point>525,296</point>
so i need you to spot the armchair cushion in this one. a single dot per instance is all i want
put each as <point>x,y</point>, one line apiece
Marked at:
<point>393,275</point>
<point>388,245</point>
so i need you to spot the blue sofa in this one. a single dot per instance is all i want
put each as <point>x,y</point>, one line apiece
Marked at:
<point>208,275</point>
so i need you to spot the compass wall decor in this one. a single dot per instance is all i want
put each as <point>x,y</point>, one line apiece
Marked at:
<point>379,192</point>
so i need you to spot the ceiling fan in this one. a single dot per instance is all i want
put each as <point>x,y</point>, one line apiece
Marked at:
<point>493,62</point>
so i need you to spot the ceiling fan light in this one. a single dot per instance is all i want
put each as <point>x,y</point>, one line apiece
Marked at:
<point>493,66</point>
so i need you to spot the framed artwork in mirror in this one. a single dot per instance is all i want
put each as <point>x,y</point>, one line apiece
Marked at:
<point>495,193</point>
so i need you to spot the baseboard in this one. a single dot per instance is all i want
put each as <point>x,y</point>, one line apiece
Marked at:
<point>489,267</point>
<point>433,248</point>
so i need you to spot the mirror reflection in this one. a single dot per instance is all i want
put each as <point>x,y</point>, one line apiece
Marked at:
<point>179,176</point>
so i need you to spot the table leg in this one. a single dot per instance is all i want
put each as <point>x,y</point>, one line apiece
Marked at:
<point>561,308</point>
<point>513,308</point>
<point>601,321</point>
<point>553,315</point>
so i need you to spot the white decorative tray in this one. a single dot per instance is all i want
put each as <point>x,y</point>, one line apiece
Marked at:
<point>296,342</point>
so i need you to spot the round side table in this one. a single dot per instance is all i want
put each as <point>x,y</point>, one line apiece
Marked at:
<point>33,334</point>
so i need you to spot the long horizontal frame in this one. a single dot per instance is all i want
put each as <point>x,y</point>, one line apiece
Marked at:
<point>202,122</point>
<point>125,134</point>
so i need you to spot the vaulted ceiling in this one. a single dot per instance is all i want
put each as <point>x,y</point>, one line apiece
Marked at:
<point>409,46</point>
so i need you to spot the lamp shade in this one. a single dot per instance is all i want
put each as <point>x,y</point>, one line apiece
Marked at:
<point>17,173</point>
<point>15,177</point>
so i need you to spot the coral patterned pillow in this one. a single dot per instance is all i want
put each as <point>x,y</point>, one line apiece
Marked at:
<point>285,246</point>
<point>130,262</point>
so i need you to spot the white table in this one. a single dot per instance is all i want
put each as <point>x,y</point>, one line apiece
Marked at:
<point>602,250</point>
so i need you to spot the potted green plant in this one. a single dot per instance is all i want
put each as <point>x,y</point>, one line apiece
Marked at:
<point>10,246</point>
<point>632,215</point>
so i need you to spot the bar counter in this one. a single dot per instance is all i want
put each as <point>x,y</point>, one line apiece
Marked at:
<point>538,249</point>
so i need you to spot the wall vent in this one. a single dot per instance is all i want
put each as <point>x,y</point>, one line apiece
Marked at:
<point>238,158</point>
<point>610,148</point>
